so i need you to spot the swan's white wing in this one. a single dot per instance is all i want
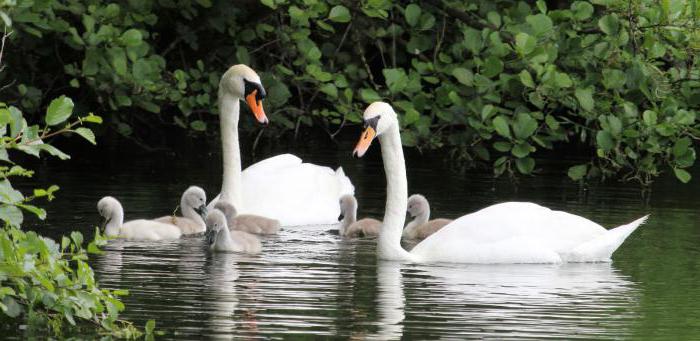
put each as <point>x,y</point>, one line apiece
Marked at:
<point>276,162</point>
<point>511,232</point>
<point>142,229</point>
<point>294,193</point>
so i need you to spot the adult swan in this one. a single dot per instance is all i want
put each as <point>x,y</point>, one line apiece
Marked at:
<point>281,187</point>
<point>511,232</point>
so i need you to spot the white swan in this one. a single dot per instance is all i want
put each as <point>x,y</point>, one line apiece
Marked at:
<point>193,205</point>
<point>511,232</point>
<point>139,229</point>
<point>220,239</point>
<point>280,187</point>
<point>350,226</point>
<point>247,222</point>
<point>421,227</point>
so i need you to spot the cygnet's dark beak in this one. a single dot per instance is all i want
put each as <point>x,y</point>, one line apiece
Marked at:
<point>104,223</point>
<point>210,234</point>
<point>341,217</point>
<point>201,210</point>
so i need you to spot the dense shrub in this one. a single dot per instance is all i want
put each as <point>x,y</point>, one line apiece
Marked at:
<point>45,284</point>
<point>494,81</point>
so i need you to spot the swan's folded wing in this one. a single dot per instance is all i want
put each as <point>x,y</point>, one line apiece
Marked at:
<point>294,194</point>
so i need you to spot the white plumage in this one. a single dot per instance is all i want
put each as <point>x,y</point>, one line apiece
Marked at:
<point>511,232</point>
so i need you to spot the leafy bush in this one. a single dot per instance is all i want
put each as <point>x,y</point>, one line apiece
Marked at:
<point>45,283</point>
<point>495,82</point>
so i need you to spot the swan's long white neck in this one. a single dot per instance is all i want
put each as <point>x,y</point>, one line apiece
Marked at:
<point>115,222</point>
<point>189,212</point>
<point>389,241</point>
<point>229,106</point>
<point>350,216</point>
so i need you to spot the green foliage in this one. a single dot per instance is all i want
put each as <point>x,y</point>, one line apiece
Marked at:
<point>44,284</point>
<point>494,81</point>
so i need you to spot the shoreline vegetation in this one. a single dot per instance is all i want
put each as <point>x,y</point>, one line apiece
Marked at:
<point>493,83</point>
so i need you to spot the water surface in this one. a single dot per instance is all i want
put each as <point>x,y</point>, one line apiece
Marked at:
<point>311,282</point>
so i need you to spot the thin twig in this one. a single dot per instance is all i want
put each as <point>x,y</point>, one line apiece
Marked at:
<point>441,37</point>
<point>342,124</point>
<point>263,46</point>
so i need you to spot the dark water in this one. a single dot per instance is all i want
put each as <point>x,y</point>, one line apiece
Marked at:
<point>310,282</point>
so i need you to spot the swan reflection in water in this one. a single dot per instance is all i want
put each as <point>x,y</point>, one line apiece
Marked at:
<point>503,300</point>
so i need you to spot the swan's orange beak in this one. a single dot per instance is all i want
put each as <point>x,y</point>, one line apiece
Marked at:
<point>255,105</point>
<point>365,140</point>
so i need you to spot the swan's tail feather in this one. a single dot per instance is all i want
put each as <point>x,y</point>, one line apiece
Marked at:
<point>601,249</point>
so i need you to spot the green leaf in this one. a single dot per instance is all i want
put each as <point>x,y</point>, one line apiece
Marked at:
<point>11,214</point>
<point>198,125</point>
<point>502,146</point>
<point>492,67</point>
<point>39,212</point>
<point>92,118</point>
<point>682,146</point>
<point>582,10</point>
<point>525,43</point>
<point>150,327</point>
<point>609,24</point>
<point>396,79</point>
<point>521,150</point>
<point>339,14</point>
<point>464,76</point>
<point>649,117</point>
<point>604,140</point>
<point>131,38</point>
<point>487,111</point>
<point>563,80</point>
<point>329,89</point>
<point>412,14</point>
<point>585,98</point>
<point>682,175</point>
<point>10,307</point>
<point>118,60</point>
<point>613,78</point>
<point>77,237</point>
<point>501,126</point>
<point>369,95</point>
<point>577,172</point>
<point>526,79</point>
<point>53,151</point>
<point>615,125</point>
<point>86,134</point>
<point>541,24</point>
<point>526,165</point>
<point>524,126</point>
<point>59,110</point>
<point>494,18</point>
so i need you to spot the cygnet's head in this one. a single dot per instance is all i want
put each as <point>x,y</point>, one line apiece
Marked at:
<point>216,220</point>
<point>108,206</point>
<point>378,118</point>
<point>242,82</point>
<point>417,205</point>
<point>348,205</point>
<point>227,209</point>
<point>196,198</point>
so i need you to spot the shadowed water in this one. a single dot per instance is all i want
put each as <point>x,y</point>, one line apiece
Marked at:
<point>311,282</point>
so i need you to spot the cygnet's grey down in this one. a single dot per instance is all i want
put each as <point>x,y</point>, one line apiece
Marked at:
<point>350,226</point>
<point>247,222</point>
<point>139,229</point>
<point>221,239</point>
<point>193,205</point>
<point>421,227</point>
